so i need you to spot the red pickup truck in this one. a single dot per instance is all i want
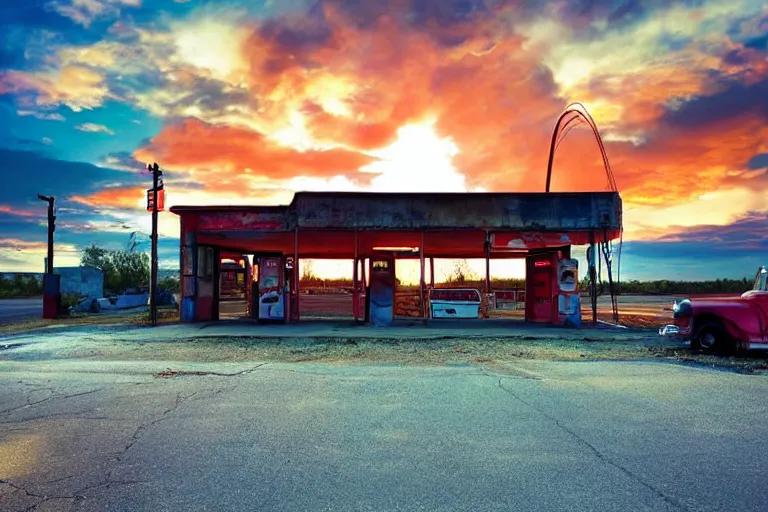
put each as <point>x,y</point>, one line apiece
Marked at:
<point>725,325</point>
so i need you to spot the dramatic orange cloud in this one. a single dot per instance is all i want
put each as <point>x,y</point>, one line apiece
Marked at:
<point>130,198</point>
<point>492,98</point>
<point>220,152</point>
<point>340,85</point>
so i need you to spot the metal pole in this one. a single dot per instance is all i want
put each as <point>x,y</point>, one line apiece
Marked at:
<point>422,283</point>
<point>355,285</point>
<point>51,228</point>
<point>296,275</point>
<point>432,272</point>
<point>487,263</point>
<point>592,276</point>
<point>153,271</point>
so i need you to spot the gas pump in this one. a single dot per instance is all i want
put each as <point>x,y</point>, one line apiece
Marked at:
<point>271,289</point>
<point>568,300</point>
<point>540,287</point>
<point>381,297</point>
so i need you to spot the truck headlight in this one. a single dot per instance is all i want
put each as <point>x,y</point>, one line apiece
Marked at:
<point>682,309</point>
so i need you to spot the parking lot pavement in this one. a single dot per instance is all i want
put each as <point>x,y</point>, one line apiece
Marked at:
<point>85,435</point>
<point>13,310</point>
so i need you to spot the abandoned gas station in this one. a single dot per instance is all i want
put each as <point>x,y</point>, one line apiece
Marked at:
<point>375,230</point>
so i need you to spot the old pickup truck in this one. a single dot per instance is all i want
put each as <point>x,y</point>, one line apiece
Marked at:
<point>724,325</point>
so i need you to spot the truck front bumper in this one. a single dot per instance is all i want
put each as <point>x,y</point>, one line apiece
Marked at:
<point>674,332</point>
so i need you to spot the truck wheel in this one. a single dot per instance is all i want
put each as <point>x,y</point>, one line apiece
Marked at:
<point>712,338</point>
<point>95,306</point>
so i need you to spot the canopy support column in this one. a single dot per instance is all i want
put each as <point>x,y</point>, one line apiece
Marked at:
<point>591,261</point>
<point>431,272</point>
<point>422,281</point>
<point>355,286</point>
<point>296,274</point>
<point>487,263</point>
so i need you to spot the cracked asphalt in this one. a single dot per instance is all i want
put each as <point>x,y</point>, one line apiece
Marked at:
<point>86,435</point>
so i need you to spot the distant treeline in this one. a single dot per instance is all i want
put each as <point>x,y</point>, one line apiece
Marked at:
<point>662,287</point>
<point>20,286</point>
<point>684,287</point>
<point>23,286</point>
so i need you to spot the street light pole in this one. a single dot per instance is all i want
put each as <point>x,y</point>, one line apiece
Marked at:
<point>153,272</point>
<point>51,282</point>
<point>51,228</point>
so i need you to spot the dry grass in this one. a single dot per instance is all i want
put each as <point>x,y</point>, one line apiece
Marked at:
<point>163,316</point>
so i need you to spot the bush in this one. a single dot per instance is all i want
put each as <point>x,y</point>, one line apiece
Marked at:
<point>69,300</point>
<point>169,284</point>
<point>20,286</point>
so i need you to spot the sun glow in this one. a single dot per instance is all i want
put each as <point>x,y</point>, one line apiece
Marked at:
<point>418,161</point>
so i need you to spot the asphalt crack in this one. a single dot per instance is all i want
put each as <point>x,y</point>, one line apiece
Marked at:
<point>137,435</point>
<point>47,399</point>
<point>168,373</point>
<point>42,497</point>
<point>107,481</point>
<point>597,453</point>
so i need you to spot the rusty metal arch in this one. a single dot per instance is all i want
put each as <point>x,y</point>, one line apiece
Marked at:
<point>573,115</point>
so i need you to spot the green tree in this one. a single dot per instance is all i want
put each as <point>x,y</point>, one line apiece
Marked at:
<point>121,269</point>
<point>169,284</point>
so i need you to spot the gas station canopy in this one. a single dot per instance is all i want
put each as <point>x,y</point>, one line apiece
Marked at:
<point>446,225</point>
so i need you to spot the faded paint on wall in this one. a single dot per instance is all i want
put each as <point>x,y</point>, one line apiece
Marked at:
<point>81,281</point>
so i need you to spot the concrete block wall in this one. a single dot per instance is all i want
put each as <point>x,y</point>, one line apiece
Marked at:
<point>81,281</point>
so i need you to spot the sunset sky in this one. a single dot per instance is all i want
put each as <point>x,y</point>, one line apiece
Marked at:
<point>245,102</point>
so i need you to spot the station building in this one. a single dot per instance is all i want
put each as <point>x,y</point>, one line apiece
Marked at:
<point>374,231</point>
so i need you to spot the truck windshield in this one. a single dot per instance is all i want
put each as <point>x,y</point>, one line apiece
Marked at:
<point>761,284</point>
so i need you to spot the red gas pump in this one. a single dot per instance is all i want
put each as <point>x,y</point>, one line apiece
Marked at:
<point>541,288</point>
<point>272,289</point>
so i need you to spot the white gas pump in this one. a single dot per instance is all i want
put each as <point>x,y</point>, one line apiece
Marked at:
<point>568,300</point>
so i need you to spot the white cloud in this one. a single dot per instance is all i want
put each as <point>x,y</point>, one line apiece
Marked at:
<point>94,128</point>
<point>575,61</point>
<point>77,87</point>
<point>84,12</point>
<point>213,45</point>
<point>46,116</point>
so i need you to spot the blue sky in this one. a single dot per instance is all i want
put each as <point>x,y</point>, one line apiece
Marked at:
<point>248,102</point>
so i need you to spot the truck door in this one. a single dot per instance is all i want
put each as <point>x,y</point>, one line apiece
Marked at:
<point>382,290</point>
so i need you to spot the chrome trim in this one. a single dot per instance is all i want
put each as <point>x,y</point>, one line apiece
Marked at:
<point>669,331</point>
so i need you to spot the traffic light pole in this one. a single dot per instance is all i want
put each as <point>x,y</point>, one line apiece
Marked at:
<point>153,271</point>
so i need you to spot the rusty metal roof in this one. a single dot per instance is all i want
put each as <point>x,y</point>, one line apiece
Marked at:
<point>572,211</point>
